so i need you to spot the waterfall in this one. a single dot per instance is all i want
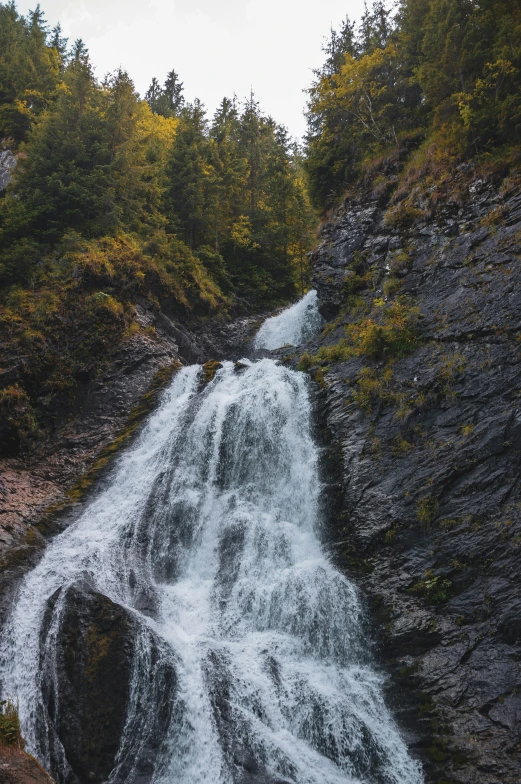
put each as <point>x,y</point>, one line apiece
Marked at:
<point>294,326</point>
<point>208,533</point>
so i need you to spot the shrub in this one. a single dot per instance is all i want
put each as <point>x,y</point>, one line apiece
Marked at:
<point>392,286</point>
<point>355,283</point>
<point>10,730</point>
<point>372,387</point>
<point>395,337</point>
<point>306,361</point>
<point>403,215</point>
<point>338,352</point>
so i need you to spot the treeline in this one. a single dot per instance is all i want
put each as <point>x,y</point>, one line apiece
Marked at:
<point>97,160</point>
<point>116,199</point>
<point>447,72</point>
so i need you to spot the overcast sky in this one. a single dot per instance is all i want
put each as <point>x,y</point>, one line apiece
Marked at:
<point>218,47</point>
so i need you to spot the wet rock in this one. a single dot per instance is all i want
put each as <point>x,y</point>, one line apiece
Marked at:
<point>428,519</point>
<point>249,771</point>
<point>210,369</point>
<point>89,657</point>
<point>7,164</point>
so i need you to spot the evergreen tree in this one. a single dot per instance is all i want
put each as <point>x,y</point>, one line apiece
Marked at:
<point>189,177</point>
<point>29,70</point>
<point>153,95</point>
<point>58,42</point>
<point>173,93</point>
<point>167,100</point>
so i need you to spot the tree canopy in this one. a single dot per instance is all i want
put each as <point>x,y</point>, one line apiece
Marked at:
<point>449,70</point>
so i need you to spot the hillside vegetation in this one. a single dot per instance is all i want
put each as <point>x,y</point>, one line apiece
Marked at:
<point>116,199</point>
<point>419,90</point>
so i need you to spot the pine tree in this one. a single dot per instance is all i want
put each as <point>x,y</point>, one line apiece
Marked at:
<point>189,178</point>
<point>58,42</point>
<point>153,95</point>
<point>173,92</point>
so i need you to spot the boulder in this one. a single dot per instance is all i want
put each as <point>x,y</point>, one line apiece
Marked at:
<point>93,721</point>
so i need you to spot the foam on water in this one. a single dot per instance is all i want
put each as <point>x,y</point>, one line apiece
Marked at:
<point>293,326</point>
<point>213,515</point>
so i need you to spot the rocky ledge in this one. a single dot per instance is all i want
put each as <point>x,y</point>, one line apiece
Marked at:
<point>17,767</point>
<point>426,453</point>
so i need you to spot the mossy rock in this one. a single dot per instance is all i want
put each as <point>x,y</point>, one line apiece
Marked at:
<point>210,369</point>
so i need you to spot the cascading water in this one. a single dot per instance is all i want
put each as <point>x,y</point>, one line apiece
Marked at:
<point>293,326</point>
<point>208,533</point>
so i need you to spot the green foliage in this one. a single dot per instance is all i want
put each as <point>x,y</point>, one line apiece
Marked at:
<point>372,387</point>
<point>450,69</point>
<point>392,286</point>
<point>236,185</point>
<point>390,333</point>
<point>426,511</point>
<point>167,100</point>
<point>338,352</point>
<point>29,70</point>
<point>306,361</point>
<point>115,199</point>
<point>435,590</point>
<point>65,328</point>
<point>10,730</point>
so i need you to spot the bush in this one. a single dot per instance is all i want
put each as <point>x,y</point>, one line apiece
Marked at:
<point>427,510</point>
<point>392,286</point>
<point>372,388</point>
<point>395,337</point>
<point>10,730</point>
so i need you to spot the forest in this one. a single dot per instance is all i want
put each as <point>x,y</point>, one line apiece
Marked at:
<point>431,82</point>
<point>117,198</point>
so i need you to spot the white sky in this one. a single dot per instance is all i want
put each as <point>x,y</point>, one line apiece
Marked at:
<point>217,48</point>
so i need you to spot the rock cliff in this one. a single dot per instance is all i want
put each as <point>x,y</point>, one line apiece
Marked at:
<point>7,164</point>
<point>425,449</point>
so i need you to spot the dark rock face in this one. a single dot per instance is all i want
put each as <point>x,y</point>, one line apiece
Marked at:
<point>428,517</point>
<point>87,677</point>
<point>7,164</point>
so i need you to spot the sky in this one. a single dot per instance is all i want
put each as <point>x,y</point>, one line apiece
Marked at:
<point>218,47</point>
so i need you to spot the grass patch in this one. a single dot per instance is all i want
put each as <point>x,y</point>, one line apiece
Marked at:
<point>426,511</point>
<point>390,332</point>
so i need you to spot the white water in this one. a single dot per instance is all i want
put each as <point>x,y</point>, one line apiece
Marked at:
<point>212,516</point>
<point>293,326</point>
